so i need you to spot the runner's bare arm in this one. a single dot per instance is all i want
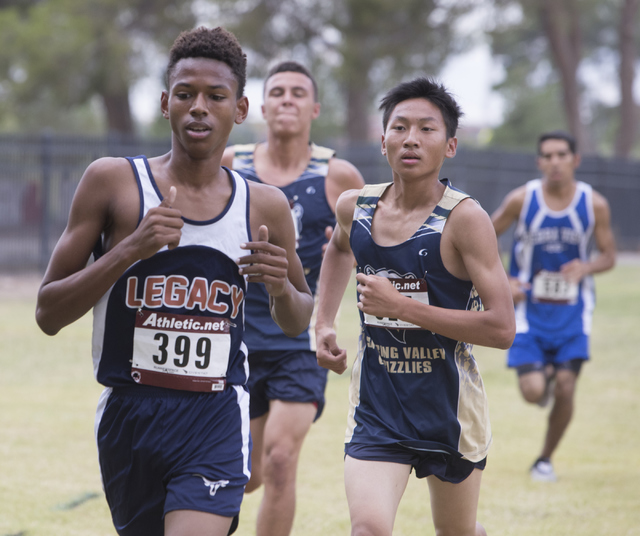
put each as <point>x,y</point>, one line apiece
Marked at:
<point>576,270</point>
<point>509,210</point>
<point>70,287</point>
<point>273,260</point>
<point>342,176</point>
<point>475,253</point>
<point>334,277</point>
<point>502,218</point>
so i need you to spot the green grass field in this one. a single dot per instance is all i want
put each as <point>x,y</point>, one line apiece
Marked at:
<point>49,478</point>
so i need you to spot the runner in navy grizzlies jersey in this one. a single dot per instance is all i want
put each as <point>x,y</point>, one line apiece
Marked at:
<point>178,239</point>
<point>550,275</point>
<point>286,383</point>
<point>430,285</point>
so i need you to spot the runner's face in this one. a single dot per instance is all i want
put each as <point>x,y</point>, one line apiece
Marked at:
<point>201,105</point>
<point>289,103</point>
<point>556,161</point>
<point>415,141</point>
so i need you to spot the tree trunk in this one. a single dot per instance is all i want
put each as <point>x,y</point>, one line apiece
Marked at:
<point>628,114</point>
<point>357,111</point>
<point>560,20</point>
<point>119,118</point>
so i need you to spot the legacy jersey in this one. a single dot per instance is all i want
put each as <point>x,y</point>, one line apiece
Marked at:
<point>409,385</point>
<point>544,240</point>
<point>179,312</point>
<point>311,215</point>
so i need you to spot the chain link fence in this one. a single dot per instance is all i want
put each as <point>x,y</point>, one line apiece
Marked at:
<point>39,174</point>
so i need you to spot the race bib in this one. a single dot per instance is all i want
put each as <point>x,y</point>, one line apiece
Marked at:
<point>413,288</point>
<point>189,353</point>
<point>552,287</point>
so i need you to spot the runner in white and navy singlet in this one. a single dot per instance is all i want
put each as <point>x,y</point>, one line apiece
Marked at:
<point>557,314</point>
<point>411,388</point>
<point>168,346</point>
<point>269,347</point>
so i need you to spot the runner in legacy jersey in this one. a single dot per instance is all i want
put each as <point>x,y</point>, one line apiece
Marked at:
<point>411,386</point>
<point>176,238</point>
<point>430,285</point>
<point>558,218</point>
<point>176,320</point>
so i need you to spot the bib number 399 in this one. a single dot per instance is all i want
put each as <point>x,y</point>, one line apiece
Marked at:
<point>180,351</point>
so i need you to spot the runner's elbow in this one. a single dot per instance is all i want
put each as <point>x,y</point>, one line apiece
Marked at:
<point>47,322</point>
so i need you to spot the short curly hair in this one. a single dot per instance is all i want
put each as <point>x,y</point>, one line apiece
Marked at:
<point>216,44</point>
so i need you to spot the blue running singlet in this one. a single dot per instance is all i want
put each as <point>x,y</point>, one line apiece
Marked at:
<point>545,240</point>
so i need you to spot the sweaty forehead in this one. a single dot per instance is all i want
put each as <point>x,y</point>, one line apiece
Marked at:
<point>416,110</point>
<point>214,72</point>
<point>552,146</point>
<point>288,79</point>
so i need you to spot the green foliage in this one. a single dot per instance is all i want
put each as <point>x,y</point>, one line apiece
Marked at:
<point>71,51</point>
<point>532,83</point>
<point>356,48</point>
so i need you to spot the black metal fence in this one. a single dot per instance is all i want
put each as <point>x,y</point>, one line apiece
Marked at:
<point>39,174</point>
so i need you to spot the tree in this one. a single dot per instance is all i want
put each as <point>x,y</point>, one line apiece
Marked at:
<point>628,130</point>
<point>67,52</point>
<point>556,42</point>
<point>367,46</point>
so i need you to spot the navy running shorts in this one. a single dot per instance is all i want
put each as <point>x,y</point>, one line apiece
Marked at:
<point>445,467</point>
<point>162,450</point>
<point>289,375</point>
<point>528,349</point>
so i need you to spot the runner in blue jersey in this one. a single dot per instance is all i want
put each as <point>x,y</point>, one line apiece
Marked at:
<point>430,285</point>
<point>176,238</point>
<point>557,219</point>
<point>286,383</point>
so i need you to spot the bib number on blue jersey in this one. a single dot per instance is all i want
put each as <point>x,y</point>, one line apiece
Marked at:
<point>412,288</point>
<point>552,287</point>
<point>184,352</point>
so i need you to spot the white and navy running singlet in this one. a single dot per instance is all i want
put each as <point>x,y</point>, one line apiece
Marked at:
<point>545,240</point>
<point>176,319</point>
<point>410,386</point>
<point>311,215</point>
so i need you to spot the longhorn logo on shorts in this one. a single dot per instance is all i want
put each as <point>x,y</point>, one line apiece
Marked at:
<point>213,486</point>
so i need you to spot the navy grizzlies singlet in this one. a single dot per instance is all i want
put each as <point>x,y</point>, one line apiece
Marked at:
<point>410,386</point>
<point>176,319</point>
<point>311,215</point>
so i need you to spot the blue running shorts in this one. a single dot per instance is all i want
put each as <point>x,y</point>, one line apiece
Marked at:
<point>289,375</point>
<point>162,450</point>
<point>446,467</point>
<point>528,349</point>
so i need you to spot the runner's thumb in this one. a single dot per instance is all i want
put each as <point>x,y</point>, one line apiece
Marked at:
<point>263,233</point>
<point>170,199</point>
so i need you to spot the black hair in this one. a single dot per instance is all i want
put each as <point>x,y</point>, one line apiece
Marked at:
<point>293,67</point>
<point>428,89</point>
<point>216,44</point>
<point>558,135</point>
